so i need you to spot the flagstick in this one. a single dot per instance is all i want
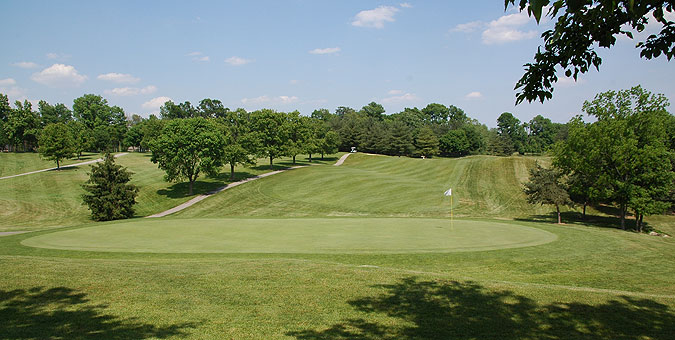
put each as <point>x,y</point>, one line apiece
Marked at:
<point>451,222</point>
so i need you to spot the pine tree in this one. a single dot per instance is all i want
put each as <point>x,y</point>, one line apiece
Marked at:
<point>427,143</point>
<point>110,196</point>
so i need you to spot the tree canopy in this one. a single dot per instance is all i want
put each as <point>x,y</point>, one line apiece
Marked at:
<point>580,27</point>
<point>56,143</point>
<point>186,148</point>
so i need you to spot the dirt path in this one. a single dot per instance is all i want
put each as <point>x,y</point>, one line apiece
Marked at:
<point>63,167</point>
<point>342,159</point>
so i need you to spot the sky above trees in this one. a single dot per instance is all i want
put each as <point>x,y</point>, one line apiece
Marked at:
<point>297,55</point>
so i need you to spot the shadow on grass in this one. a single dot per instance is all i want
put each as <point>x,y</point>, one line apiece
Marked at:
<point>574,217</point>
<point>63,313</point>
<point>454,310</point>
<point>180,190</point>
<point>65,168</point>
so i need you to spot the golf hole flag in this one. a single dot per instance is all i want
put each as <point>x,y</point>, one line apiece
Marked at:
<point>448,193</point>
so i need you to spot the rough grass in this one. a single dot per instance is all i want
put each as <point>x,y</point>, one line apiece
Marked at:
<point>590,283</point>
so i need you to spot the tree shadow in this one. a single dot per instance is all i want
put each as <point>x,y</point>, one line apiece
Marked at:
<point>179,190</point>
<point>454,310</point>
<point>63,313</point>
<point>577,218</point>
<point>64,168</point>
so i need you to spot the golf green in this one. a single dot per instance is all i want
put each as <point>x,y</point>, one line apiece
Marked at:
<point>294,235</point>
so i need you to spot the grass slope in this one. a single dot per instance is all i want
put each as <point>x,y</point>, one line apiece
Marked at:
<point>384,186</point>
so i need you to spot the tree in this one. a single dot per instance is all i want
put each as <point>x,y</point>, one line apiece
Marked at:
<point>510,128</point>
<point>22,126</point>
<point>212,108</point>
<point>329,143</point>
<point>580,26</point>
<point>426,143</point>
<point>373,110</point>
<point>5,111</point>
<point>109,197</point>
<point>187,148</point>
<point>239,141</point>
<point>401,139</point>
<point>107,123</point>
<point>272,133</point>
<point>455,143</point>
<point>58,113</point>
<point>56,143</point>
<point>624,153</point>
<point>544,187</point>
<point>83,138</point>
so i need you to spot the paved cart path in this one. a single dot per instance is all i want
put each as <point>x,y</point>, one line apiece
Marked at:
<point>342,159</point>
<point>63,167</point>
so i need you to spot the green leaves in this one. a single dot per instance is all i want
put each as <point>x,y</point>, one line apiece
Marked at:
<point>109,197</point>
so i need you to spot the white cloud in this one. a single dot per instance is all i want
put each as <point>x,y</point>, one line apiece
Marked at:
<point>507,29</point>
<point>469,27</point>
<point>26,64</point>
<point>407,97</point>
<point>328,50</point>
<point>199,56</point>
<point>59,56</point>
<point>7,82</point>
<point>237,61</point>
<point>394,92</point>
<point>131,91</point>
<point>375,18</point>
<point>155,103</point>
<point>473,95</point>
<point>569,81</point>
<point>279,100</point>
<point>406,5</point>
<point>59,75</point>
<point>118,78</point>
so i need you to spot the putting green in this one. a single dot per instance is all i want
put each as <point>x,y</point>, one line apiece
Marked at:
<point>299,235</point>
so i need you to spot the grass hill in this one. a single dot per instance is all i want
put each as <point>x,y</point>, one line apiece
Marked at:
<point>482,186</point>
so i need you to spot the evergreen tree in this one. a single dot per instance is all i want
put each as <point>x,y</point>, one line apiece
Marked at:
<point>109,197</point>
<point>427,143</point>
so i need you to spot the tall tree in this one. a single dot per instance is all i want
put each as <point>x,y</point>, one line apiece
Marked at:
<point>22,126</point>
<point>580,27</point>
<point>426,143</point>
<point>56,143</point>
<point>83,138</point>
<point>401,139</point>
<point>271,129</point>
<point>110,196</point>
<point>187,148</point>
<point>509,127</point>
<point>545,187</point>
<point>373,110</point>
<point>240,143</point>
<point>50,114</point>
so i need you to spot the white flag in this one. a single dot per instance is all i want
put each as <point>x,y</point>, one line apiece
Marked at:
<point>448,193</point>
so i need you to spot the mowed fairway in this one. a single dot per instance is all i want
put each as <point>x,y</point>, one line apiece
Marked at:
<point>360,251</point>
<point>310,235</point>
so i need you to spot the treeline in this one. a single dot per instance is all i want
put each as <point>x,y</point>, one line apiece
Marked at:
<point>433,130</point>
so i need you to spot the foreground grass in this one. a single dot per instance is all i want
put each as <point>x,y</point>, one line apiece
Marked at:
<point>567,289</point>
<point>52,199</point>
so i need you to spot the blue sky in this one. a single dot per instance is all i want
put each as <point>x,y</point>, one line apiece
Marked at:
<point>295,55</point>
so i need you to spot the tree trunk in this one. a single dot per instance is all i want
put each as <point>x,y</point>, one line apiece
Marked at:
<point>231,171</point>
<point>557,209</point>
<point>190,187</point>
<point>641,224</point>
<point>293,159</point>
<point>271,162</point>
<point>57,164</point>
<point>623,216</point>
<point>322,156</point>
<point>583,215</point>
<point>310,158</point>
